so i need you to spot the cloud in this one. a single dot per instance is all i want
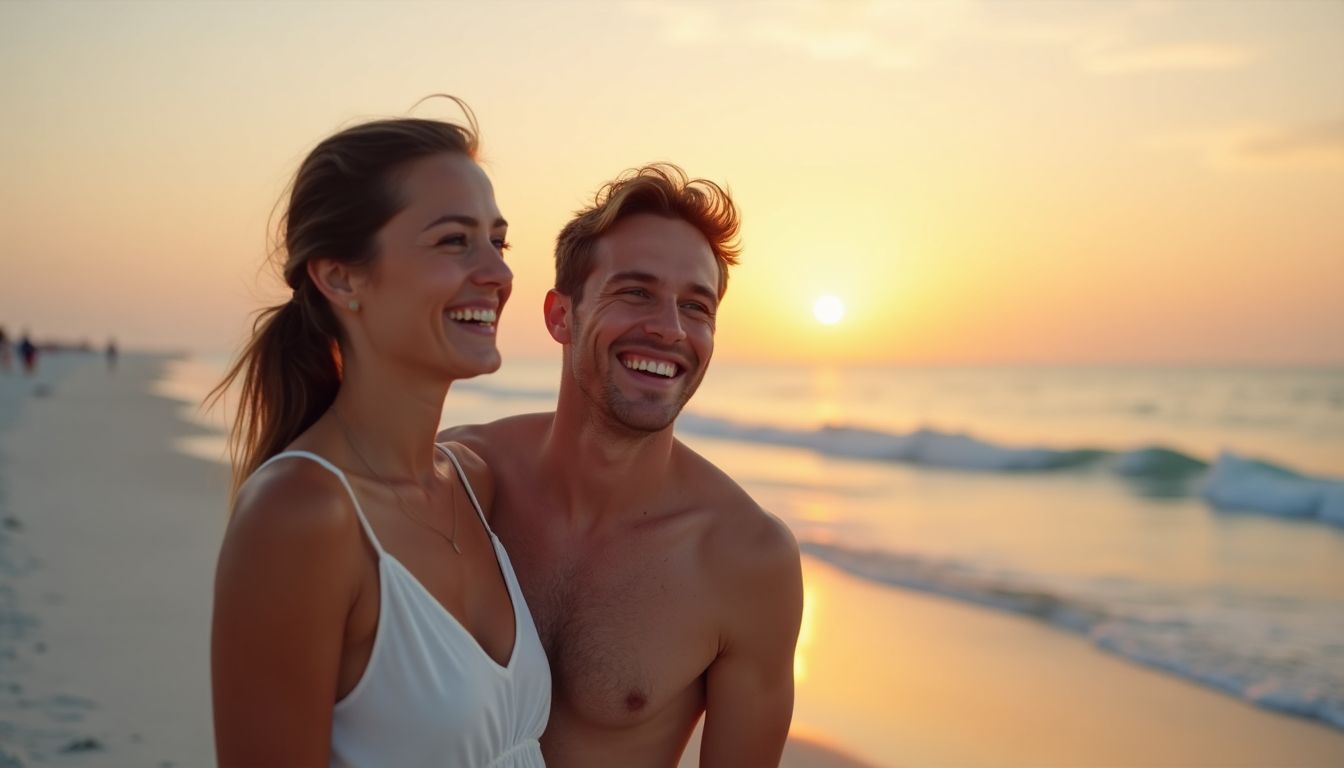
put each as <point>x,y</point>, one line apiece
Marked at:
<point>1101,38</point>
<point>865,35</point>
<point>1320,139</point>
<point>882,35</point>
<point>1317,146</point>
<point>682,23</point>
<point>1184,57</point>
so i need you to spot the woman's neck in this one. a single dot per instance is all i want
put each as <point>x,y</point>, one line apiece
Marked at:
<point>390,421</point>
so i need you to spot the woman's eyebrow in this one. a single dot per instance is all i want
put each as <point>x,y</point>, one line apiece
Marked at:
<point>470,221</point>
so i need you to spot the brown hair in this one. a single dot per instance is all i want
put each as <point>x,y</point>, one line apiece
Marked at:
<point>661,189</point>
<point>343,194</point>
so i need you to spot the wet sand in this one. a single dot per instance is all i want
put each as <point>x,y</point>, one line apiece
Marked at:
<point>902,678</point>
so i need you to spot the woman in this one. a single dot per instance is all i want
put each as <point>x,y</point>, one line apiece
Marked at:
<point>364,613</point>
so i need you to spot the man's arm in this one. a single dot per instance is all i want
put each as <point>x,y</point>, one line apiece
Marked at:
<point>749,687</point>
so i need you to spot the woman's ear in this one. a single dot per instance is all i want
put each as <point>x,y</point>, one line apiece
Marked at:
<point>335,281</point>
<point>558,310</point>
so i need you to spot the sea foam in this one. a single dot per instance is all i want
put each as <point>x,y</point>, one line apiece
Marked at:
<point>1239,483</point>
<point>927,447</point>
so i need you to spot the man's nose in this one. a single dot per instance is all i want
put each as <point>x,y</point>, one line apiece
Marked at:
<point>664,321</point>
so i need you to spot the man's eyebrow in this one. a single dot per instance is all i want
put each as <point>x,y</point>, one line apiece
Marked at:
<point>635,276</point>
<point>469,221</point>
<point>704,292</point>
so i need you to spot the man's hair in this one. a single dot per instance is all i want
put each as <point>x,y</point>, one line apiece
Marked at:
<point>661,189</point>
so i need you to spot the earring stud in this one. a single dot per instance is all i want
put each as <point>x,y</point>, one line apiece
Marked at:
<point>353,305</point>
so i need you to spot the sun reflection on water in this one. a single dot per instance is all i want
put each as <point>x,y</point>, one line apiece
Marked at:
<point>804,636</point>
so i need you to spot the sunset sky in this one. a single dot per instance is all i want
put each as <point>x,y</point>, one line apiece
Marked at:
<point>976,182</point>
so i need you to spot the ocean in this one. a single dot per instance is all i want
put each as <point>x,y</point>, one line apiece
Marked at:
<point>1190,519</point>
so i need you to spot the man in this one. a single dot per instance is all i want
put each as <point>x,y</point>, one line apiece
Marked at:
<point>660,589</point>
<point>28,353</point>
<point>4,351</point>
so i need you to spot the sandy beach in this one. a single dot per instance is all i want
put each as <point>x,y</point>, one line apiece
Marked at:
<point>108,544</point>
<point>118,533</point>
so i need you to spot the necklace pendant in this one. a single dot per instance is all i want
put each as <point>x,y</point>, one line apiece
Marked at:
<point>456,548</point>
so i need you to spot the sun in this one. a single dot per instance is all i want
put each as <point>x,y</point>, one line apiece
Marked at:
<point>828,310</point>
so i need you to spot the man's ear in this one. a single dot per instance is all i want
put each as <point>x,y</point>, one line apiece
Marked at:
<point>336,282</point>
<point>558,309</point>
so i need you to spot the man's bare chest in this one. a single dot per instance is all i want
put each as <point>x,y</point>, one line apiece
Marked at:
<point>628,623</point>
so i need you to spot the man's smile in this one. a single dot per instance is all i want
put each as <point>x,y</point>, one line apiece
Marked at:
<point>650,365</point>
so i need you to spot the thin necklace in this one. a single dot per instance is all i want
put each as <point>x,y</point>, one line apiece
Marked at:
<point>452,497</point>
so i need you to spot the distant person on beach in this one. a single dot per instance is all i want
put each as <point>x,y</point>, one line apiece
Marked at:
<point>661,589</point>
<point>28,353</point>
<point>365,614</point>
<point>111,354</point>
<point>6,355</point>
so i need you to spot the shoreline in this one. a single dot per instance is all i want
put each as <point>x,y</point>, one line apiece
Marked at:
<point>904,678</point>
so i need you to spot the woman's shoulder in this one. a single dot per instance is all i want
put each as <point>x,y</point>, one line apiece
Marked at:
<point>468,458</point>
<point>478,474</point>
<point>290,573</point>
<point>295,501</point>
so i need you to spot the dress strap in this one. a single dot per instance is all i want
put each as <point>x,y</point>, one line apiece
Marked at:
<point>471,494</point>
<point>333,469</point>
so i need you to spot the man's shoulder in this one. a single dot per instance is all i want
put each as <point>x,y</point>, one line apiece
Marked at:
<point>504,436</point>
<point>752,560</point>
<point>751,540</point>
<point>742,533</point>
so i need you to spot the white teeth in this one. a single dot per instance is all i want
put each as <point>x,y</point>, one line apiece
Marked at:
<point>662,369</point>
<point>487,316</point>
